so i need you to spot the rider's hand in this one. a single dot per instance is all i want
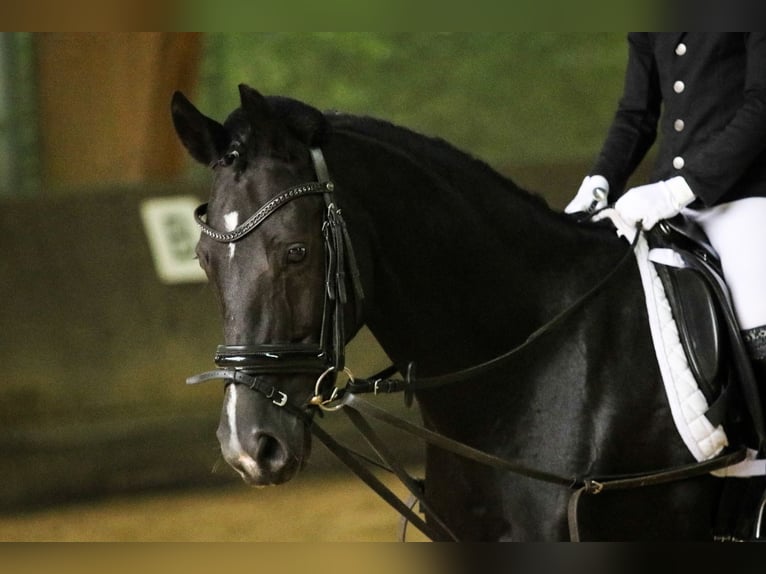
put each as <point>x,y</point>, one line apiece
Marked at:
<point>649,204</point>
<point>591,196</point>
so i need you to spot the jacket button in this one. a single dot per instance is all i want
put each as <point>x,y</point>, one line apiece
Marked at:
<point>679,87</point>
<point>678,162</point>
<point>679,125</point>
<point>681,49</point>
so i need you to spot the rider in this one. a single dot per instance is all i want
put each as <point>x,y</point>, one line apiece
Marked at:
<point>711,161</point>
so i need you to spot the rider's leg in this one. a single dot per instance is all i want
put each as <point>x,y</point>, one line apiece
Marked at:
<point>737,231</point>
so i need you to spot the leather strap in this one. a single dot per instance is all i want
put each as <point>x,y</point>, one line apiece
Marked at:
<point>261,215</point>
<point>254,382</point>
<point>353,402</point>
<point>412,484</point>
<point>378,384</point>
<point>320,165</point>
<point>625,482</point>
<point>348,458</point>
<point>592,485</point>
<point>476,371</point>
<point>355,407</point>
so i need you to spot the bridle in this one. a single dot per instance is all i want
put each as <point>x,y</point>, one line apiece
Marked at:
<point>243,364</point>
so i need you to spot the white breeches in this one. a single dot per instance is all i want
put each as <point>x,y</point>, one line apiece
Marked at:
<point>737,231</point>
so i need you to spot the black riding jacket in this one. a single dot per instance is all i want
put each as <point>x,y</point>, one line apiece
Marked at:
<point>707,93</point>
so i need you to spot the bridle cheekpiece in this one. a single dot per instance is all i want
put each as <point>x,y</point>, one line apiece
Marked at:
<point>243,364</point>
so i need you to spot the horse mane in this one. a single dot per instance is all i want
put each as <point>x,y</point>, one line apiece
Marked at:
<point>454,168</point>
<point>452,164</point>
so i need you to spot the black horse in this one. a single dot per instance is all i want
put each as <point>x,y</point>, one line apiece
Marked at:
<point>457,265</point>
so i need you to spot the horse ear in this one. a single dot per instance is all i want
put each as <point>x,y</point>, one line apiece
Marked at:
<point>204,138</point>
<point>266,127</point>
<point>273,118</point>
<point>254,104</point>
<point>306,123</point>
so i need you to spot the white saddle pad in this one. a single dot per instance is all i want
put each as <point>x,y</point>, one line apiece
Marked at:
<point>687,402</point>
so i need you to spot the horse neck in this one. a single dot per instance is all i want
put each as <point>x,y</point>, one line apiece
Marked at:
<point>458,263</point>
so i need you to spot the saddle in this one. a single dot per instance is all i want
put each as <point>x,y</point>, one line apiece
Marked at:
<point>700,303</point>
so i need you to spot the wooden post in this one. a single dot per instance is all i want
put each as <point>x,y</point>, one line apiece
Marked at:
<point>104,101</point>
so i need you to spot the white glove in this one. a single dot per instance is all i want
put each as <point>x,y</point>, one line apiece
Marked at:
<point>591,196</point>
<point>649,204</point>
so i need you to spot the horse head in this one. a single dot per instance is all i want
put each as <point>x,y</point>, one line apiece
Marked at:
<point>262,248</point>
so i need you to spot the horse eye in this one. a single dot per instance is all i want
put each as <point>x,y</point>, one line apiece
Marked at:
<point>296,253</point>
<point>230,158</point>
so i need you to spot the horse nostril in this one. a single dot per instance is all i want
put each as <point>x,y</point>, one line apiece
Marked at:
<point>268,450</point>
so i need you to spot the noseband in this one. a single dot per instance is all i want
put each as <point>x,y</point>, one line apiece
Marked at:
<point>243,364</point>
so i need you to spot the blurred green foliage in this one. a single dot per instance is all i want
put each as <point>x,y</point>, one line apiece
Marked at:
<point>509,98</point>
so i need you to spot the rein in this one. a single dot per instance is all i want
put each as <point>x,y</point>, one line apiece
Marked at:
<point>243,364</point>
<point>357,408</point>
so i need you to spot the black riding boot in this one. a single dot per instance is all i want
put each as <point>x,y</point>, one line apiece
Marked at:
<point>759,483</point>
<point>742,498</point>
<point>755,339</point>
<point>759,370</point>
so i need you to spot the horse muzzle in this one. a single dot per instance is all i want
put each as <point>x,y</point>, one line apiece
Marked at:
<point>266,446</point>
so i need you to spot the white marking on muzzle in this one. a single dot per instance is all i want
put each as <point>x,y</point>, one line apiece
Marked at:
<point>231,220</point>
<point>231,415</point>
<point>242,462</point>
